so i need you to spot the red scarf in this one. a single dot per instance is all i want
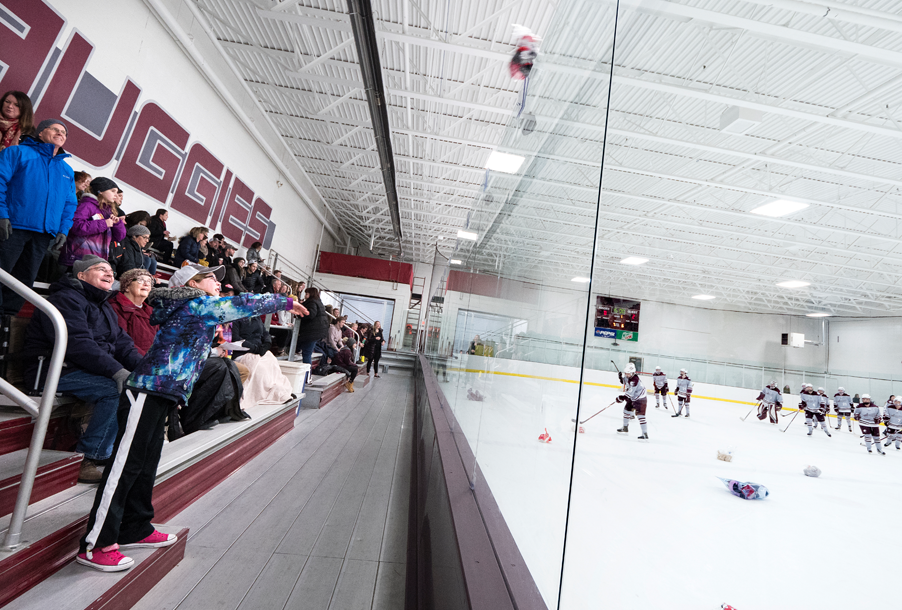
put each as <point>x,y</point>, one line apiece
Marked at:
<point>10,131</point>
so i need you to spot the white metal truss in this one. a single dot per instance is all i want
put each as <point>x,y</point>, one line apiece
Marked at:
<point>824,77</point>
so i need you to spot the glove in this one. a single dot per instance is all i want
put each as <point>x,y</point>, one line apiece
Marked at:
<point>665,389</point>
<point>6,229</point>
<point>120,377</point>
<point>58,243</point>
<point>621,398</point>
<point>779,407</point>
<point>619,374</point>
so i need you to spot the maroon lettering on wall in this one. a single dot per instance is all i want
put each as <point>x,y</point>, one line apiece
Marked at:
<point>53,104</point>
<point>258,225</point>
<point>25,56</point>
<point>237,212</point>
<point>219,206</point>
<point>152,157</point>
<point>198,184</point>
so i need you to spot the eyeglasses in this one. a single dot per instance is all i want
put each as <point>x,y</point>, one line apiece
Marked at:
<point>57,130</point>
<point>145,281</point>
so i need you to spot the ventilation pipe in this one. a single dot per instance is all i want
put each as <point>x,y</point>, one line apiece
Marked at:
<point>364,28</point>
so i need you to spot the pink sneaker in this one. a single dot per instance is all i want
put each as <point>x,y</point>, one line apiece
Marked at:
<point>156,540</point>
<point>107,559</point>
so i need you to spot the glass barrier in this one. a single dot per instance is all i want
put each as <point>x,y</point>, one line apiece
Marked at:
<point>644,122</point>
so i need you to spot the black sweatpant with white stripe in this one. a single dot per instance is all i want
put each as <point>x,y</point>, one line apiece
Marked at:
<point>123,507</point>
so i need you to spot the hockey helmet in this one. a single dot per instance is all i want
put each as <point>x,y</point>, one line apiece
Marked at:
<point>840,389</point>
<point>820,390</point>
<point>684,371</point>
<point>773,382</point>
<point>865,397</point>
<point>657,368</point>
<point>897,401</point>
<point>630,369</point>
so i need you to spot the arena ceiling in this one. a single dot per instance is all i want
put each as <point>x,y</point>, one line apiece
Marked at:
<point>717,107</point>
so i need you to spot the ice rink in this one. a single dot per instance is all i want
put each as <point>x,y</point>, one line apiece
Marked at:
<point>650,525</point>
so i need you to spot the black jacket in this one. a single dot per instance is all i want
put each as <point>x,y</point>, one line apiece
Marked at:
<point>253,333</point>
<point>254,282</point>
<point>97,344</point>
<point>233,278</point>
<point>157,228</point>
<point>132,257</point>
<point>316,325</point>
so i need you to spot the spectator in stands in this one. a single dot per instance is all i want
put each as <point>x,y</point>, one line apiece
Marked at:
<point>134,313</point>
<point>16,118</point>
<point>348,331</point>
<point>474,344</point>
<point>253,280</point>
<point>189,246</point>
<point>187,312</point>
<point>215,250</point>
<point>133,256</point>
<point>235,276</point>
<point>82,180</point>
<point>37,201</point>
<point>254,334</point>
<point>253,253</point>
<point>95,225</point>
<point>99,354</point>
<point>136,218</point>
<point>314,326</point>
<point>159,233</point>
<point>344,363</point>
<point>228,251</point>
<point>374,348</point>
<point>334,337</point>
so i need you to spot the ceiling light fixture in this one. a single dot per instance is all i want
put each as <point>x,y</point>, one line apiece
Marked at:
<point>780,207</point>
<point>581,280</point>
<point>793,284</point>
<point>454,261</point>
<point>467,235</point>
<point>503,162</point>
<point>704,297</point>
<point>818,315</point>
<point>634,260</point>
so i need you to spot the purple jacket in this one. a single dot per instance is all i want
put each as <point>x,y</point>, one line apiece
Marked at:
<point>90,235</point>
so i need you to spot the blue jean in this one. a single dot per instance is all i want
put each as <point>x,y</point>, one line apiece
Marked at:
<point>21,257</point>
<point>307,351</point>
<point>150,263</point>
<point>97,441</point>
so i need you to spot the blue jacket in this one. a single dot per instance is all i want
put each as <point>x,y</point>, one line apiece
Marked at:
<point>37,188</point>
<point>187,318</point>
<point>189,250</point>
<point>97,344</point>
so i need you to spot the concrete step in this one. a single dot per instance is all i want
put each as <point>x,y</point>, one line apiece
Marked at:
<point>57,471</point>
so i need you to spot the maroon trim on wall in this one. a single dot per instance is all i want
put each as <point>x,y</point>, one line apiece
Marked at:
<point>141,579</point>
<point>50,479</point>
<point>369,268</point>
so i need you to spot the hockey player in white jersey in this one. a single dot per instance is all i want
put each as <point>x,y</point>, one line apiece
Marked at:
<point>635,398</point>
<point>867,414</point>
<point>842,404</point>
<point>892,417</point>
<point>770,402</point>
<point>660,382</point>
<point>812,405</point>
<point>683,393</point>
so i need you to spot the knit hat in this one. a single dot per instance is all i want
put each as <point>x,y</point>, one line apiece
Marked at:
<point>184,275</point>
<point>138,231</point>
<point>101,184</point>
<point>48,122</point>
<point>87,262</point>
<point>130,276</point>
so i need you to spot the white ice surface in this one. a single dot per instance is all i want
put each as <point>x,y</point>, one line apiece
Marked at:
<point>650,524</point>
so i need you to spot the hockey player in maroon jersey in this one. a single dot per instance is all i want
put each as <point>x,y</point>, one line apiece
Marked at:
<point>635,398</point>
<point>683,392</point>
<point>770,402</point>
<point>812,405</point>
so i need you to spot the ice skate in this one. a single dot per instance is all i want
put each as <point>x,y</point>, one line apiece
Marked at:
<point>887,443</point>
<point>828,432</point>
<point>810,432</point>
<point>869,450</point>
<point>624,430</point>
<point>644,437</point>
<point>839,426</point>
<point>686,416</point>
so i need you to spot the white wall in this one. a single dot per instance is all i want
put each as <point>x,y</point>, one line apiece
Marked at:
<point>130,42</point>
<point>400,293</point>
<point>872,347</point>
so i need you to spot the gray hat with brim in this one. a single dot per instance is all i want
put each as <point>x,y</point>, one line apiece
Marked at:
<point>87,262</point>
<point>184,275</point>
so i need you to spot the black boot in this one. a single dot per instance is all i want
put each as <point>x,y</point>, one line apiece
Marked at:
<point>624,429</point>
<point>175,426</point>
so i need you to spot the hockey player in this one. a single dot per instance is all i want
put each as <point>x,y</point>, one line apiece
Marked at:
<point>635,398</point>
<point>867,414</point>
<point>811,404</point>
<point>770,402</point>
<point>661,389</point>
<point>842,404</point>
<point>893,419</point>
<point>683,392</point>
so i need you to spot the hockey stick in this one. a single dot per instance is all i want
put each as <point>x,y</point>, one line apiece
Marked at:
<point>588,418</point>
<point>758,406</point>
<point>671,404</point>
<point>791,420</point>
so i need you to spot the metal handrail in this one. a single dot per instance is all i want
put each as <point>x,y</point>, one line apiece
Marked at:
<point>40,413</point>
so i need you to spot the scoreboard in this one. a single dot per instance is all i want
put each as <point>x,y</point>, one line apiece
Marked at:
<point>617,318</point>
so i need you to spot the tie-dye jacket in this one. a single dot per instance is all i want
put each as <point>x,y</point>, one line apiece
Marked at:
<point>187,318</point>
